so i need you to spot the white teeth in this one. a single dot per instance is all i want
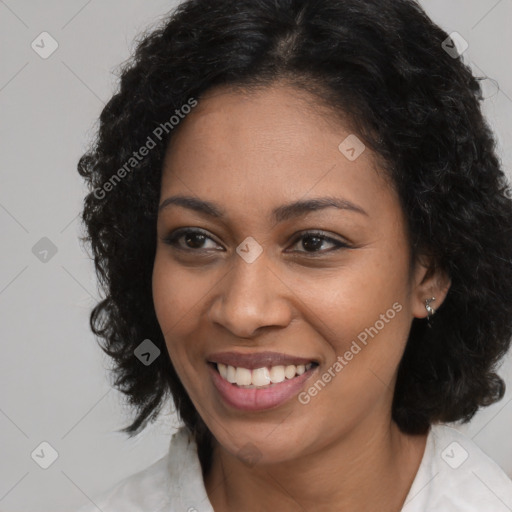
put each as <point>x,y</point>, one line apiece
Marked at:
<point>261,377</point>
<point>289,371</point>
<point>277,374</point>
<point>231,376</point>
<point>223,370</point>
<point>243,376</point>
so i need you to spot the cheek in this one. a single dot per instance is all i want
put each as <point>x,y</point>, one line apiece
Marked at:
<point>164,294</point>
<point>174,298</point>
<point>179,297</point>
<point>363,312</point>
<point>365,331</point>
<point>176,293</point>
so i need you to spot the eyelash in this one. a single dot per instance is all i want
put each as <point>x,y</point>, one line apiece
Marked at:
<point>173,238</point>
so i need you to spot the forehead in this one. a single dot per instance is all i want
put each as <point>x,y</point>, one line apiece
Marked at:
<point>266,147</point>
<point>279,118</point>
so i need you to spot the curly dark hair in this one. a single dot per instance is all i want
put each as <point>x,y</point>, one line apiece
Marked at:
<point>379,64</point>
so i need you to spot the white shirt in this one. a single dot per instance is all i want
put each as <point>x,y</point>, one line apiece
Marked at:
<point>454,476</point>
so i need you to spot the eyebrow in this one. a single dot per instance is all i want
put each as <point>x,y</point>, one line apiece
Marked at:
<point>280,214</point>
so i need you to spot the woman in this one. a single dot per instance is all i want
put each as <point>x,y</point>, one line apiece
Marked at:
<point>303,233</point>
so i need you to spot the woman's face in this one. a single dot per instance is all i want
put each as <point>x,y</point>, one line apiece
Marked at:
<point>260,281</point>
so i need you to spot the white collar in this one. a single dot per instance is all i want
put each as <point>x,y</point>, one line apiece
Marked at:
<point>454,476</point>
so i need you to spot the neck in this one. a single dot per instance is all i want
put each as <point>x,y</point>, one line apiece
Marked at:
<point>366,470</point>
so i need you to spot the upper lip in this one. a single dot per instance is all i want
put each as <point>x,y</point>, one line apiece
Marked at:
<point>257,359</point>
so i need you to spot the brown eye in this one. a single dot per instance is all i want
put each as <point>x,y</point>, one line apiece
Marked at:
<point>193,240</point>
<point>313,241</point>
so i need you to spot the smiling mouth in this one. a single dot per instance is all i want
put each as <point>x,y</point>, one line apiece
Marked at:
<point>260,378</point>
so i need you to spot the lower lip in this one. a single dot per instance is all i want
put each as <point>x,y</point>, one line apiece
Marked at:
<point>257,399</point>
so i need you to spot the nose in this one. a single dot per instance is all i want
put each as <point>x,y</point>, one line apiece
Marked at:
<point>251,297</point>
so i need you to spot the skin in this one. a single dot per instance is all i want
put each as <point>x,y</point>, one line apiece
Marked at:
<point>251,153</point>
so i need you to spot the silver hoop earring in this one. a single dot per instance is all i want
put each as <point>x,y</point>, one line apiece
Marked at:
<point>430,310</point>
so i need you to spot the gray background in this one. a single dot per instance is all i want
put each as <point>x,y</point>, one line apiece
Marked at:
<point>54,379</point>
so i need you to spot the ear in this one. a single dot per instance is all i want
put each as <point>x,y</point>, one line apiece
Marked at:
<point>428,281</point>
